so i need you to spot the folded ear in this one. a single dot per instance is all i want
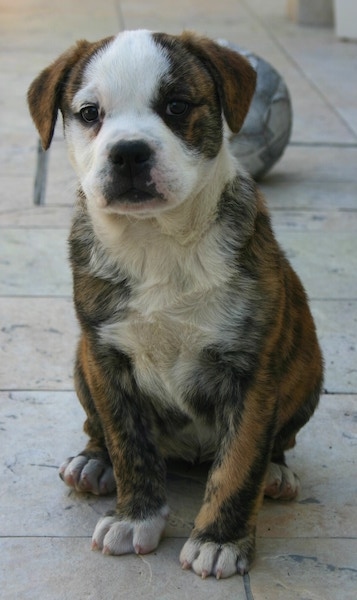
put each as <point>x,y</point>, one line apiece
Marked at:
<point>234,76</point>
<point>46,92</point>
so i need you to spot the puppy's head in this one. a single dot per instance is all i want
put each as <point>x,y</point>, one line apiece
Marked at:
<point>142,115</point>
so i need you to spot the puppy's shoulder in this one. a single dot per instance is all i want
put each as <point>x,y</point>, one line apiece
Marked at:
<point>81,237</point>
<point>242,212</point>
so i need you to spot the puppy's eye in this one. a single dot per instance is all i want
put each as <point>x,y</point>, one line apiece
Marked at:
<point>89,113</point>
<point>177,108</point>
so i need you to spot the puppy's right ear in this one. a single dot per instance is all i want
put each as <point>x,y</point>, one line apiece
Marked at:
<point>46,91</point>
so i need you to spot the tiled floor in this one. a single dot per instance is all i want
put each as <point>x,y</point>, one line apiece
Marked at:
<point>306,550</point>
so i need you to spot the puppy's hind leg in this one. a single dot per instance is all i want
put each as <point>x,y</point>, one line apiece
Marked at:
<point>222,541</point>
<point>90,471</point>
<point>281,483</point>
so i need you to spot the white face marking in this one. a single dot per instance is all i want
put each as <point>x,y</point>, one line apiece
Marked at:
<point>122,81</point>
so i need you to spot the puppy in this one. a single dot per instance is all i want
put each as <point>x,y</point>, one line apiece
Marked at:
<point>196,340</point>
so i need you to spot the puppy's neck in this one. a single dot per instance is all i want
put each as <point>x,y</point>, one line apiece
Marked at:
<point>188,223</point>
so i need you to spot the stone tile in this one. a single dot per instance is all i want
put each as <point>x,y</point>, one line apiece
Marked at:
<point>329,221</point>
<point>61,569</point>
<point>63,513</point>
<point>325,264</point>
<point>36,217</point>
<point>324,460</point>
<point>317,69</point>
<point>326,63</point>
<point>336,323</point>
<point>17,172</point>
<point>17,158</point>
<point>314,120</point>
<point>184,14</point>
<point>61,180</point>
<point>17,193</point>
<point>305,570</point>
<point>18,187</point>
<point>34,262</point>
<point>39,430</point>
<point>16,77</point>
<point>37,343</point>
<point>308,178</point>
<point>234,23</point>
<point>40,27</point>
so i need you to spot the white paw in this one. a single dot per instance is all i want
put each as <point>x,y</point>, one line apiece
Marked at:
<point>281,483</point>
<point>209,558</point>
<point>86,474</point>
<point>113,535</point>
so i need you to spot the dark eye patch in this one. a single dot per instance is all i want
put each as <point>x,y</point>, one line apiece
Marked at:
<point>177,108</point>
<point>187,99</point>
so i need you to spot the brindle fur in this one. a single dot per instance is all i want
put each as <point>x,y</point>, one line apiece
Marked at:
<point>255,387</point>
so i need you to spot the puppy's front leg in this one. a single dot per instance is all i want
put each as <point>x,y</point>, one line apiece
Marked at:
<point>223,538</point>
<point>138,521</point>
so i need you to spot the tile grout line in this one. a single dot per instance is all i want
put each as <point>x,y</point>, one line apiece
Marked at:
<point>323,144</point>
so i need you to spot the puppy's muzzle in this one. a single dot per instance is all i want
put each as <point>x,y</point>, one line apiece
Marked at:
<point>130,164</point>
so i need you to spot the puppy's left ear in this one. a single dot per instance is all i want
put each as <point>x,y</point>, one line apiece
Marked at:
<point>234,76</point>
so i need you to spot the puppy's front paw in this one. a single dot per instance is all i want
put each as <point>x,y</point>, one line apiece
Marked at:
<point>114,535</point>
<point>220,560</point>
<point>88,474</point>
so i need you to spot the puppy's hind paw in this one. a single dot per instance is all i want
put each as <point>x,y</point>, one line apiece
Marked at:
<point>281,483</point>
<point>114,535</point>
<point>88,474</point>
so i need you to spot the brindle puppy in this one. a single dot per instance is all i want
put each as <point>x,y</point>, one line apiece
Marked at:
<point>196,337</point>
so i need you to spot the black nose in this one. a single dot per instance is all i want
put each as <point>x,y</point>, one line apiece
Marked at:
<point>130,157</point>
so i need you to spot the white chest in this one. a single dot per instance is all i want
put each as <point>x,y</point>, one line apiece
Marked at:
<point>175,310</point>
<point>164,346</point>
<point>164,342</point>
<point>177,307</point>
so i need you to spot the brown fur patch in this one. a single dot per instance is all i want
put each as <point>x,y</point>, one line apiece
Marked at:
<point>46,91</point>
<point>234,76</point>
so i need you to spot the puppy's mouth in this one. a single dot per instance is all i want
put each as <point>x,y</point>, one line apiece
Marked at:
<point>136,196</point>
<point>135,200</point>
